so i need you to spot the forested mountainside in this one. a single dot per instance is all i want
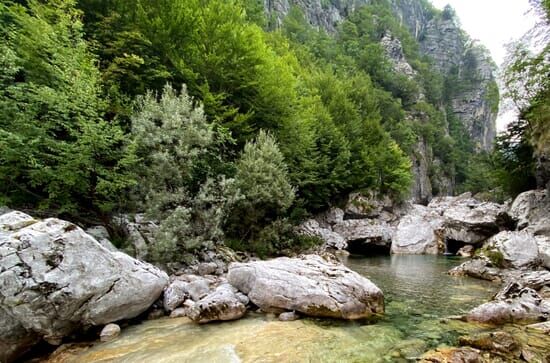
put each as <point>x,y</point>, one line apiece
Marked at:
<point>468,92</point>
<point>236,119</point>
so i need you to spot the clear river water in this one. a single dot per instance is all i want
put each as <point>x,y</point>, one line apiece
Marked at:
<point>418,293</point>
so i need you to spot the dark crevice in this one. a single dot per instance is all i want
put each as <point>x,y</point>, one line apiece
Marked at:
<point>368,248</point>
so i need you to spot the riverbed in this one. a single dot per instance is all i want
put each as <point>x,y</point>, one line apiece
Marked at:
<point>419,294</point>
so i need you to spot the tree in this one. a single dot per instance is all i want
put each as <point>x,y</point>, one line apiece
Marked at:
<point>58,152</point>
<point>171,136</point>
<point>262,179</point>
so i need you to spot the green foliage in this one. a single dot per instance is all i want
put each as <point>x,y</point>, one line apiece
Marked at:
<point>170,136</point>
<point>496,258</point>
<point>262,178</point>
<point>58,151</point>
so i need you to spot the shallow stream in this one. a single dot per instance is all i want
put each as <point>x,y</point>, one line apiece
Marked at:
<point>418,294</point>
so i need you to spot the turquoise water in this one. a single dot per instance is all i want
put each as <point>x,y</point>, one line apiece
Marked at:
<point>418,295</point>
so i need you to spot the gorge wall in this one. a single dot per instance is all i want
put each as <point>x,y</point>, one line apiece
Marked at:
<point>470,90</point>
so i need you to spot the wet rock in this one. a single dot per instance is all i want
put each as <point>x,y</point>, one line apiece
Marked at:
<point>514,304</point>
<point>331,239</point>
<point>499,342</point>
<point>175,294</point>
<point>220,305</point>
<point>479,268</point>
<point>453,355</point>
<point>418,232</point>
<point>288,316</point>
<point>57,279</point>
<point>517,249</point>
<point>309,285</point>
<point>155,314</point>
<point>109,332</point>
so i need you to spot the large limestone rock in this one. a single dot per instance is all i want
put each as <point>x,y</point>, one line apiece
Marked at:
<point>513,304</point>
<point>309,285</point>
<point>366,230</point>
<point>519,249</point>
<point>468,220</point>
<point>56,279</point>
<point>418,232</point>
<point>532,211</point>
<point>523,299</point>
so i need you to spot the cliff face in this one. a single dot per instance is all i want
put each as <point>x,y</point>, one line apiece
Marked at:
<point>471,95</point>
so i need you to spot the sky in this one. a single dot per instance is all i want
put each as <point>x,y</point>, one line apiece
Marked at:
<point>494,23</point>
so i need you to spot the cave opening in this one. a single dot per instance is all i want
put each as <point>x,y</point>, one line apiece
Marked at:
<point>365,247</point>
<point>453,246</point>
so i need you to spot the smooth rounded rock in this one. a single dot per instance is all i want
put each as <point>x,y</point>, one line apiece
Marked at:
<point>309,285</point>
<point>109,332</point>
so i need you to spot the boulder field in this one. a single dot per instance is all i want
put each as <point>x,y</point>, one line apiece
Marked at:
<point>57,281</point>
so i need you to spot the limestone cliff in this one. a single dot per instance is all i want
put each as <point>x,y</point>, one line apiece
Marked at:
<point>471,93</point>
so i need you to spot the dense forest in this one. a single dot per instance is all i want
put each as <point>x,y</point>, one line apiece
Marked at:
<point>224,125</point>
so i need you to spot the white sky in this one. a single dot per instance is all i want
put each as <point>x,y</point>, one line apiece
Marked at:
<point>494,23</point>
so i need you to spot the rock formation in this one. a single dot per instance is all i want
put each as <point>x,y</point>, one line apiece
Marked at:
<point>309,285</point>
<point>55,280</point>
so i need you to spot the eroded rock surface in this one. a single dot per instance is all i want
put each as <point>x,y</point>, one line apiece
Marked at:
<point>56,279</point>
<point>514,304</point>
<point>331,239</point>
<point>309,285</point>
<point>418,232</point>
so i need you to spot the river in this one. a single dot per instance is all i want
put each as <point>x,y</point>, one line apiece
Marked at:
<point>418,294</point>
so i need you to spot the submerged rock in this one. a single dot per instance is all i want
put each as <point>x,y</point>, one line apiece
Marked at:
<point>453,355</point>
<point>56,279</point>
<point>498,342</point>
<point>309,285</point>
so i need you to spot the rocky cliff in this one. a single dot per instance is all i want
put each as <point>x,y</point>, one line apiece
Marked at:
<point>471,93</point>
